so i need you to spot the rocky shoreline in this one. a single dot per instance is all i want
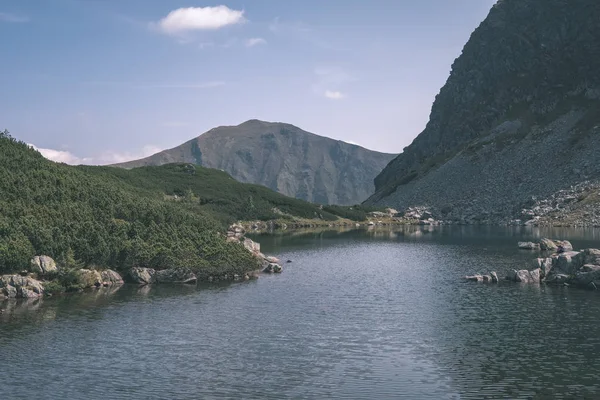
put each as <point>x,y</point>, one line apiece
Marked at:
<point>45,276</point>
<point>562,266</point>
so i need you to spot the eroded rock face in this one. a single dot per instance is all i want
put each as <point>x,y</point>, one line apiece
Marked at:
<point>43,265</point>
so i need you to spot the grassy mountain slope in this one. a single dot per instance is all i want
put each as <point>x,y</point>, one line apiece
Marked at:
<point>284,158</point>
<point>160,217</point>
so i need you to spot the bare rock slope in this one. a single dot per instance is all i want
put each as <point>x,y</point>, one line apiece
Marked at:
<point>517,121</point>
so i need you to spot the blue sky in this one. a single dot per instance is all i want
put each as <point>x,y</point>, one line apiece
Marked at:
<point>101,81</point>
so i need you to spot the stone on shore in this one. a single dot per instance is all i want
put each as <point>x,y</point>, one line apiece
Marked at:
<point>43,265</point>
<point>90,278</point>
<point>251,246</point>
<point>12,286</point>
<point>142,276</point>
<point>111,277</point>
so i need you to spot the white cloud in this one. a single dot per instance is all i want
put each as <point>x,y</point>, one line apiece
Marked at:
<point>105,158</point>
<point>6,17</point>
<point>60,156</point>
<point>255,42</point>
<point>334,95</point>
<point>329,81</point>
<point>199,18</point>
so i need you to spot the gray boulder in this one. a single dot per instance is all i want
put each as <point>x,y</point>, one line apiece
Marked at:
<point>567,263</point>
<point>90,278</point>
<point>27,293</point>
<point>20,286</point>
<point>9,291</point>
<point>251,246</point>
<point>111,277</point>
<point>43,265</point>
<point>585,278</point>
<point>273,268</point>
<point>528,246</point>
<point>142,276</point>
<point>544,265</point>
<point>494,277</point>
<point>557,279</point>
<point>552,245</point>
<point>474,278</point>
<point>523,276</point>
<point>591,256</point>
<point>175,275</point>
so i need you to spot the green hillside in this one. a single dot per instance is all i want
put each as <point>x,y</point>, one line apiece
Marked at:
<point>160,217</point>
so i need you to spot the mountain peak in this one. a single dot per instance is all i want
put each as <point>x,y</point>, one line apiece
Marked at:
<point>284,158</point>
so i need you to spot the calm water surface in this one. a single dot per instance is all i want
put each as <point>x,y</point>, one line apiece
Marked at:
<point>357,315</point>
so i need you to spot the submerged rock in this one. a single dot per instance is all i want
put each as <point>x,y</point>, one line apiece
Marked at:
<point>273,268</point>
<point>474,278</point>
<point>494,276</point>
<point>175,275</point>
<point>528,246</point>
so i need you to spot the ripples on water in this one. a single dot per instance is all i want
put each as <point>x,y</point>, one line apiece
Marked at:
<point>357,315</point>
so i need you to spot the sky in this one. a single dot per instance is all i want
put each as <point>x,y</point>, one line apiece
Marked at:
<point>105,81</point>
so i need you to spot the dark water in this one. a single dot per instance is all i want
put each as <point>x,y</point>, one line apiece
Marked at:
<point>359,315</point>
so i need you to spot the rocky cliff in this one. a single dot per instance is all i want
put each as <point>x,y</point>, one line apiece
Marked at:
<point>284,158</point>
<point>518,119</point>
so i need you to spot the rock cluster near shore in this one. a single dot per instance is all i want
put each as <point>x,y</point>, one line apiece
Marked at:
<point>568,267</point>
<point>30,284</point>
<point>268,264</point>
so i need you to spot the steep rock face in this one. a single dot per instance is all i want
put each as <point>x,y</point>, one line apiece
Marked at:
<point>518,117</point>
<point>284,158</point>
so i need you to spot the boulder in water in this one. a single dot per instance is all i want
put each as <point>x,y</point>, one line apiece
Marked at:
<point>528,246</point>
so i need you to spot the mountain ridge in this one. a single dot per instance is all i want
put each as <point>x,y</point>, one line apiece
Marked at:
<point>284,158</point>
<point>517,119</point>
